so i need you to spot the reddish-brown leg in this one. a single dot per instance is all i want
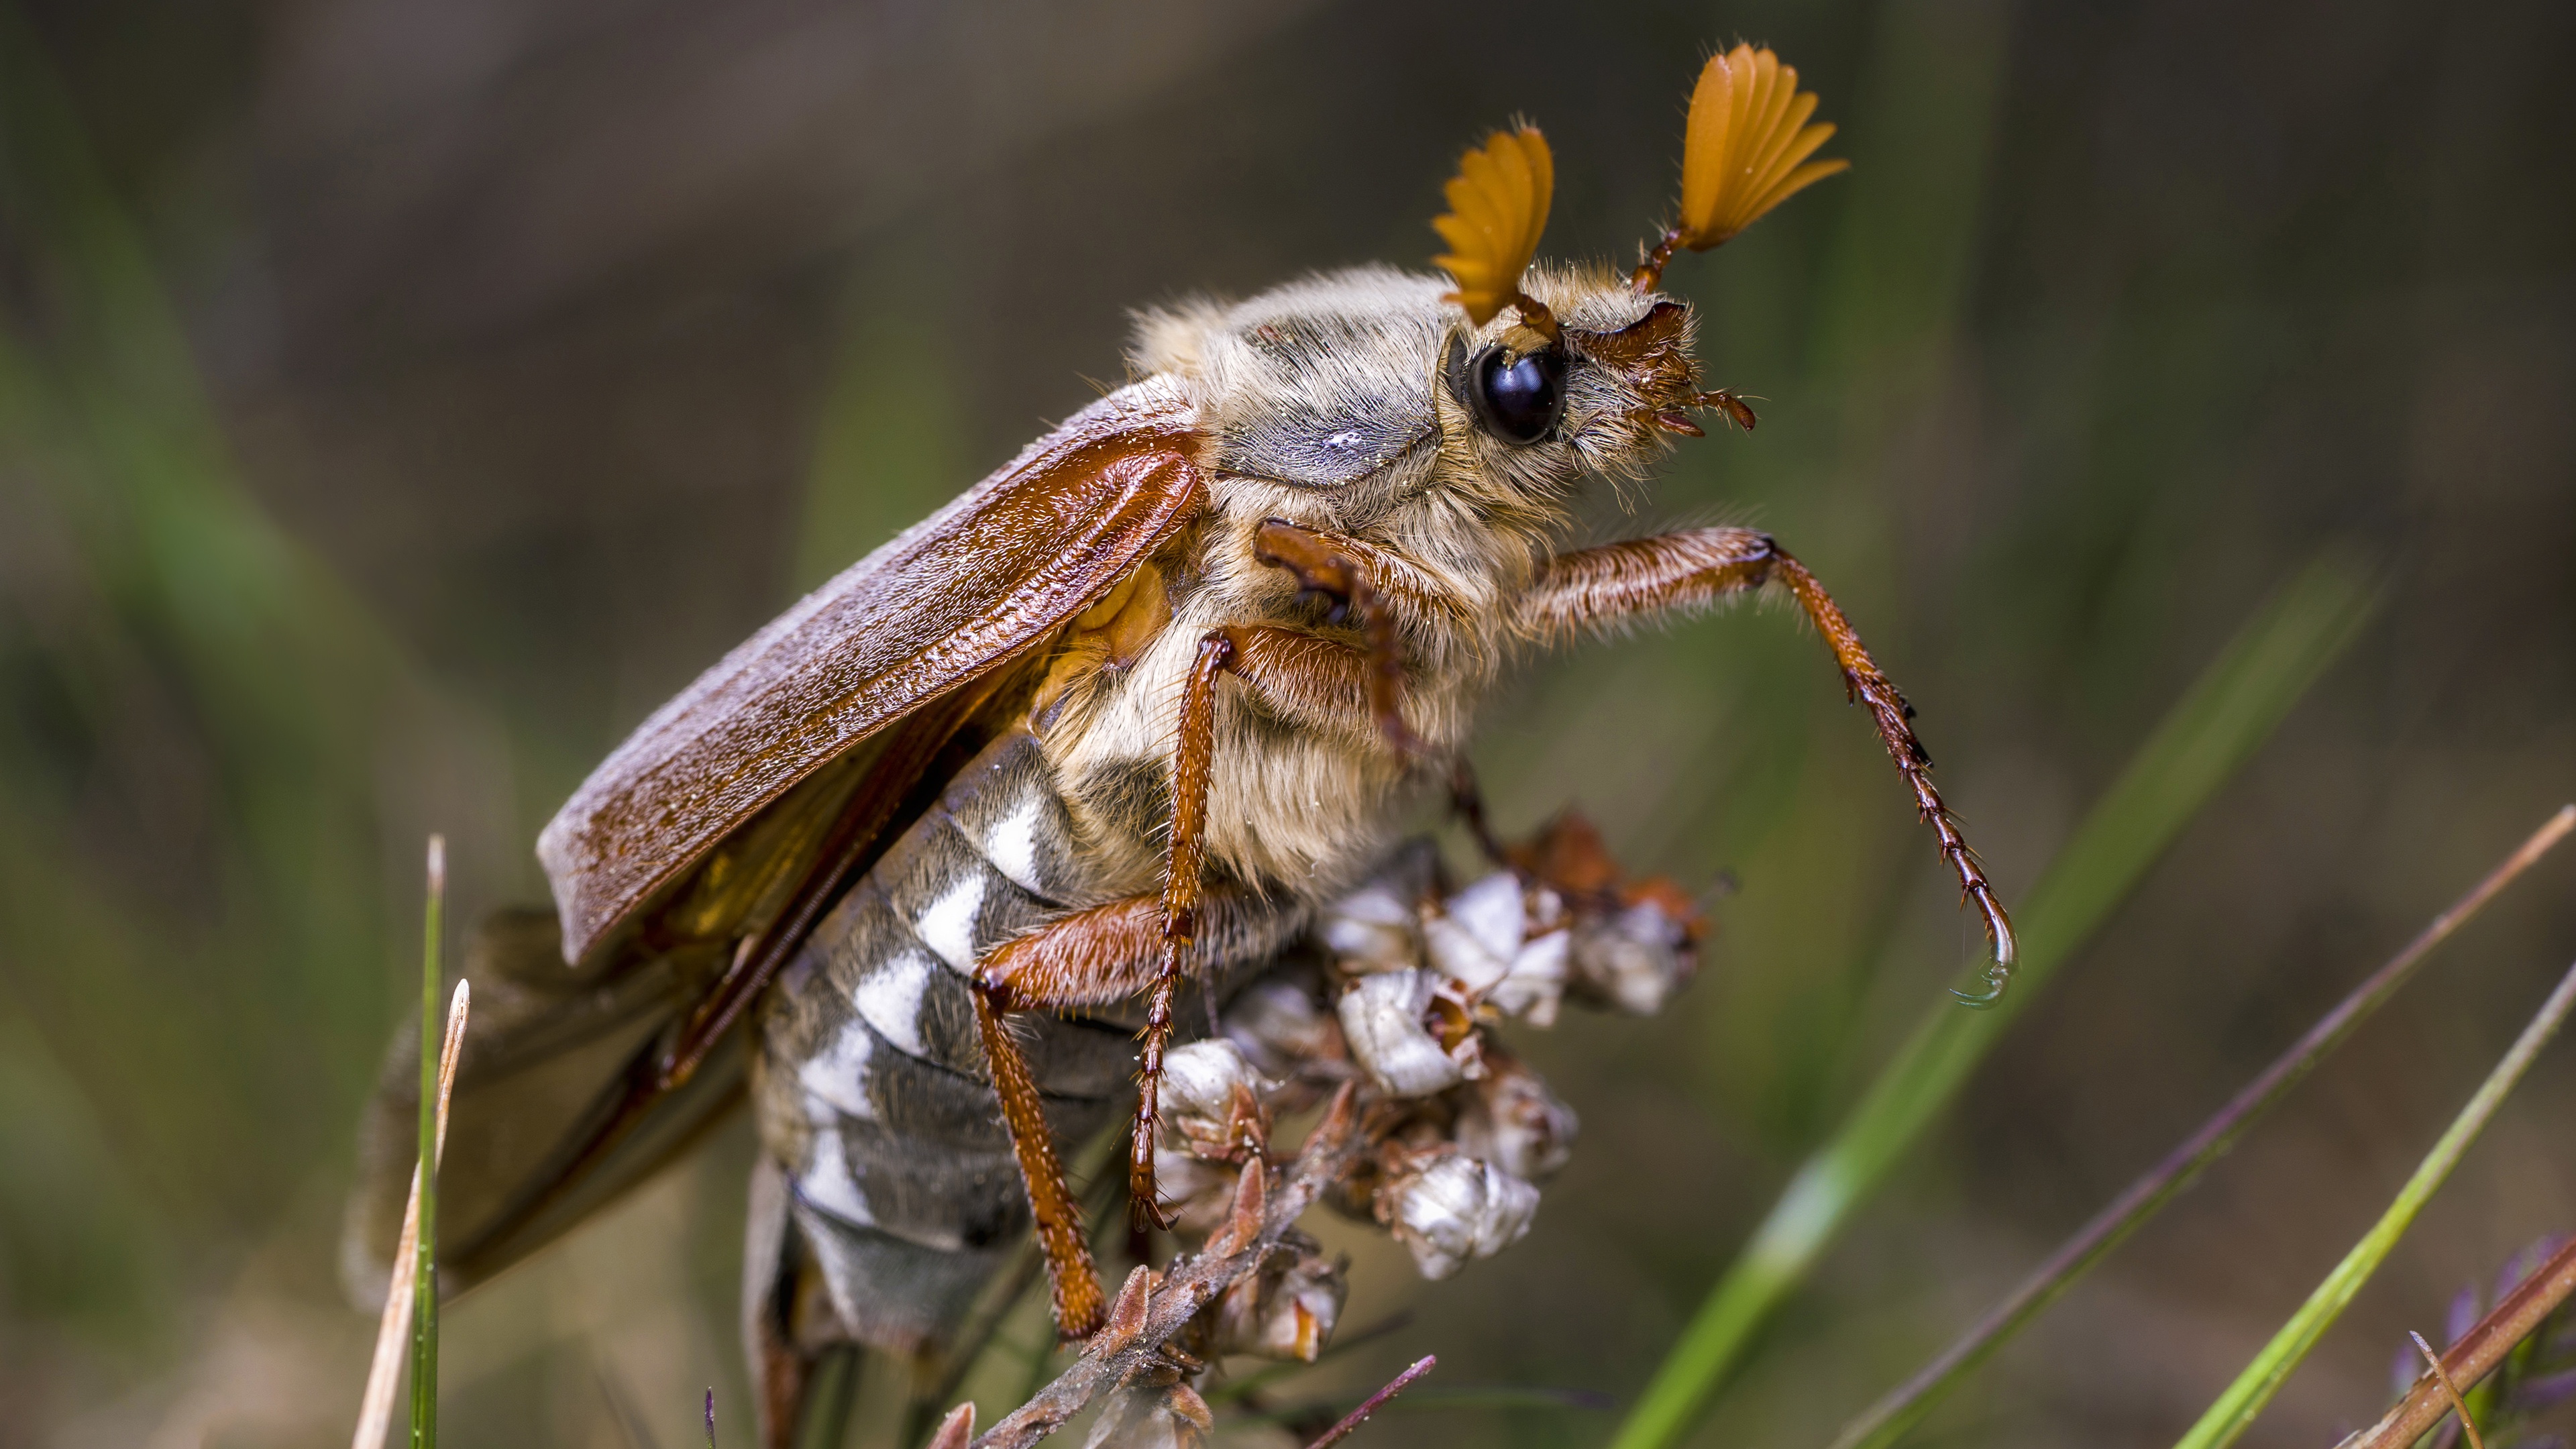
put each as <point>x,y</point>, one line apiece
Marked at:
<point>1144,943</point>
<point>1354,577</point>
<point>1091,957</point>
<point>1088,958</point>
<point>1596,587</point>
<point>1072,1280</point>
<point>1107,953</point>
<point>1322,683</point>
<point>1085,958</point>
<point>1192,755</point>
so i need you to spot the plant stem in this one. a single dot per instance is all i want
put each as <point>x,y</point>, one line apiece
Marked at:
<point>2228,712</point>
<point>2477,1353</point>
<point>1904,1407</point>
<point>1375,1402</point>
<point>376,1406</point>
<point>2235,1409</point>
<point>424,1353</point>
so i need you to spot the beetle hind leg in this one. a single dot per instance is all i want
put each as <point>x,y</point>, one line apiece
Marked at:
<point>1100,955</point>
<point>1073,1282</point>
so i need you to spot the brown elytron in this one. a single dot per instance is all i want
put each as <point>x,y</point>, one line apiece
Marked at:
<point>992,576</point>
<point>929,868</point>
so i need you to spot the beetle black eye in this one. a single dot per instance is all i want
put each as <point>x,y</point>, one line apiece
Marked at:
<point>1519,399</point>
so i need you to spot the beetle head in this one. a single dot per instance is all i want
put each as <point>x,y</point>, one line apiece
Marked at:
<point>1355,391</point>
<point>1747,150</point>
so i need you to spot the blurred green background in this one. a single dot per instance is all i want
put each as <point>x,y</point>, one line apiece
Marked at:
<point>398,398</point>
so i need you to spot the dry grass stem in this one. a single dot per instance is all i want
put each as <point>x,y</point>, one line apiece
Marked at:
<point>1375,1402</point>
<point>1906,1405</point>
<point>2450,1390</point>
<point>2476,1354</point>
<point>375,1410</point>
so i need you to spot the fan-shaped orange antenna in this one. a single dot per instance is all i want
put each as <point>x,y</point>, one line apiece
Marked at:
<point>1746,152</point>
<point>1497,209</point>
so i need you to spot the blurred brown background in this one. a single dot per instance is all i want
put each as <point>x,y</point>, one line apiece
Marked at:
<point>398,398</point>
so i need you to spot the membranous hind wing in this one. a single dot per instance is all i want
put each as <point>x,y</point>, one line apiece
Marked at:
<point>561,1102</point>
<point>691,862</point>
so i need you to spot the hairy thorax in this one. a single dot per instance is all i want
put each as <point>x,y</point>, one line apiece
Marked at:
<point>1305,792</point>
<point>1322,405</point>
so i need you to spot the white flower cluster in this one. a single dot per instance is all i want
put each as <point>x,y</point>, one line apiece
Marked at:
<point>1405,984</point>
<point>1397,989</point>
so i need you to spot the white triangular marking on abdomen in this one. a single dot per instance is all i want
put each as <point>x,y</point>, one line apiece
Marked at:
<point>826,1181</point>
<point>947,925</point>
<point>840,1074</point>
<point>889,999</point>
<point>1012,843</point>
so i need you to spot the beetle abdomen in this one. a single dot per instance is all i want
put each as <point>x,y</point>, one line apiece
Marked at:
<point>874,1096</point>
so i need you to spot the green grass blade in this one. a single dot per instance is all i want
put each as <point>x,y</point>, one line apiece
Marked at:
<point>424,1349</point>
<point>2235,1409</point>
<point>2226,715</point>
<point>1888,1420</point>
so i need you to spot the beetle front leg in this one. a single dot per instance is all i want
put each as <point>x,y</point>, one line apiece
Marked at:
<point>1595,588</point>
<point>1356,578</point>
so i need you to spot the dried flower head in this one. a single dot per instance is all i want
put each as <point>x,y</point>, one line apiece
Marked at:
<point>1447,1207</point>
<point>1511,1119</point>
<point>1286,1310</point>
<point>1434,1131</point>
<point>1497,209</point>
<point>1747,147</point>
<point>1392,1022</point>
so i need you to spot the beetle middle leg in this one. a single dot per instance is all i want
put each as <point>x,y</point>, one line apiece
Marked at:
<point>1596,587</point>
<point>1147,943</point>
<point>1077,961</point>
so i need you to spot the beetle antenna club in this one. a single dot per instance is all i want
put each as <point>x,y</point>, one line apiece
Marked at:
<point>1744,152</point>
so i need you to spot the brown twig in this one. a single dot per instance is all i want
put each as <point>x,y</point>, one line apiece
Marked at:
<point>1150,1312</point>
<point>1377,1401</point>
<point>2476,1354</point>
